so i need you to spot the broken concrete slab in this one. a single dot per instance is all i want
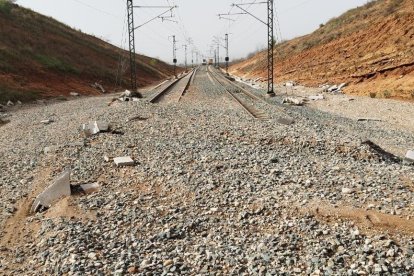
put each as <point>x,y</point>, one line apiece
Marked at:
<point>95,127</point>
<point>124,161</point>
<point>316,98</point>
<point>410,156</point>
<point>58,189</point>
<point>90,188</point>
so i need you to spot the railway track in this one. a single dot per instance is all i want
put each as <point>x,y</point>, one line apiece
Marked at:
<point>176,89</point>
<point>244,98</point>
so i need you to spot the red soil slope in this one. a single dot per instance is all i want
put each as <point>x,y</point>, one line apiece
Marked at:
<point>40,57</point>
<point>371,48</point>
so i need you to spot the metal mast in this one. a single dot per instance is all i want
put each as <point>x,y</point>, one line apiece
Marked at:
<point>131,31</point>
<point>270,48</point>
<point>185,49</point>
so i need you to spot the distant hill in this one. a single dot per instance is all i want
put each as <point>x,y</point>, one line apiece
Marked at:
<point>370,47</point>
<point>41,57</point>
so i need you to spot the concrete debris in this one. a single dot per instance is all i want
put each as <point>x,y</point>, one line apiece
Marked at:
<point>58,189</point>
<point>10,103</point>
<point>129,96</point>
<point>95,127</point>
<point>106,158</point>
<point>74,94</point>
<point>285,121</point>
<point>99,87</point>
<point>290,84</point>
<point>333,88</point>
<point>342,85</point>
<point>293,101</point>
<point>316,98</point>
<point>124,161</point>
<point>90,188</point>
<point>410,156</point>
<point>47,121</point>
<point>19,103</point>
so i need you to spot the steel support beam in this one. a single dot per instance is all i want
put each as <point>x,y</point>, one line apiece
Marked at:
<point>132,57</point>
<point>270,48</point>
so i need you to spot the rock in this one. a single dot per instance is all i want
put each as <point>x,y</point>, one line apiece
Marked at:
<point>74,94</point>
<point>10,103</point>
<point>124,161</point>
<point>90,188</point>
<point>19,102</point>
<point>168,262</point>
<point>347,191</point>
<point>59,188</point>
<point>132,270</point>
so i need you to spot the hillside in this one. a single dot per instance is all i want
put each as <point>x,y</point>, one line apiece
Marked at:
<point>371,48</point>
<point>40,57</point>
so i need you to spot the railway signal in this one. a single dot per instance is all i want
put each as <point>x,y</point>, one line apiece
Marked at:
<point>227,53</point>
<point>175,55</point>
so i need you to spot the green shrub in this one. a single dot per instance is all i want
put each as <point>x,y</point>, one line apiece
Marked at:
<point>373,95</point>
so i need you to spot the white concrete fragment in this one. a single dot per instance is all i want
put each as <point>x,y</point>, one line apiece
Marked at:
<point>48,121</point>
<point>410,155</point>
<point>95,127</point>
<point>293,101</point>
<point>58,189</point>
<point>74,94</point>
<point>10,103</point>
<point>90,188</point>
<point>342,85</point>
<point>333,88</point>
<point>124,161</point>
<point>316,98</point>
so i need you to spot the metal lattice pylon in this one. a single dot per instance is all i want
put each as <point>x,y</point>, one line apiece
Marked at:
<point>270,46</point>
<point>131,31</point>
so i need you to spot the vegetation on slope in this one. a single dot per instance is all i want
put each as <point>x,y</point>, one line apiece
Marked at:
<point>40,56</point>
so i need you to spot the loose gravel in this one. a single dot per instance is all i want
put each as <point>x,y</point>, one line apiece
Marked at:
<point>213,191</point>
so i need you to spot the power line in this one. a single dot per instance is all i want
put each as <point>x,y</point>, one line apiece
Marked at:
<point>97,9</point>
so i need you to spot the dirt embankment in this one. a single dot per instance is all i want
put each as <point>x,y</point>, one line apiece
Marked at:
<point>41,57</point>
<point>371,48</point>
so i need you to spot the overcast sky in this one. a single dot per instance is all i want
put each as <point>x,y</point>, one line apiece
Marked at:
<point>197,19</point>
